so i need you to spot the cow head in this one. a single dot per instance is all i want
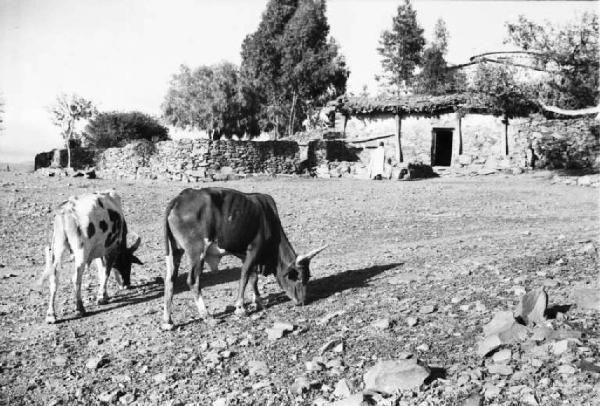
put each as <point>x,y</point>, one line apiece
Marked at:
<point>294,278</point>
<point>124,261</point>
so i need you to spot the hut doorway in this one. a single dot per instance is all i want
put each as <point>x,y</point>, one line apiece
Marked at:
<point>441,146</point>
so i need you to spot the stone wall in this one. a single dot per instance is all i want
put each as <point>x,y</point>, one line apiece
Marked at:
<point>562,144</point>
<point>196,159</point>
<point>569,143</point>
<point>482,135</point>
<point>58,158</point>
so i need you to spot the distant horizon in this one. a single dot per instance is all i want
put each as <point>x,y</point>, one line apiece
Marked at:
<point>120,54</point>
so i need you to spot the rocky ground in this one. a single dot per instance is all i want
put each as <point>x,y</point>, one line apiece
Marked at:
<point>417,301</point>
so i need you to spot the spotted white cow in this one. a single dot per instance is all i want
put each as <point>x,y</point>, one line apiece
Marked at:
<point>92,227</point>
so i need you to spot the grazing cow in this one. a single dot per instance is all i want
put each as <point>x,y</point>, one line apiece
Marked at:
<point>92,227</point>
<point>209,223</point>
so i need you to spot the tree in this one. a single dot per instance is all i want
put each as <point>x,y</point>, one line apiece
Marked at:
<point>66,112</point>
<point>495,86</point>
<point>440,36</point>
<point>571,52</point>
<point>401,47</point>
<point>116,129</point>
<point>435,77</point>
<point>289,65</point>
<point>208,98</point>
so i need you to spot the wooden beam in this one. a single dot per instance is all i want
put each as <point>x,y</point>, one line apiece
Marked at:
<point>367,139</point>
<point>399,138</point>
<point>460,140</point>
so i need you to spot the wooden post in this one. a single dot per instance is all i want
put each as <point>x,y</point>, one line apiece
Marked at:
<point>460,141</point>
<point>505,121</point>
<point>345,123</point>
<point>398,138</point>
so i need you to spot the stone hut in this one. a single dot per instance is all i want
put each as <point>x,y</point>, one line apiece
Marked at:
<point>435,130</point>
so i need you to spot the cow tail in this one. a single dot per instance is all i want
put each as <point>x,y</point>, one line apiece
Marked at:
<point>49,255</point>
<point>169,241</point>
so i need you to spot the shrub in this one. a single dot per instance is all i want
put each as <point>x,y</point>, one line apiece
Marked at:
<point>116,129</point>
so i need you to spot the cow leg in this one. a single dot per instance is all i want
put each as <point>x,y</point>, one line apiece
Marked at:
<point>53,259</point>
<point>52,280</point>
<point>256,300</point>
<point>173,260</point>
<point>247,269</point>
<point>80,266</point>
<point>194,284</point>
<point>103,272</point>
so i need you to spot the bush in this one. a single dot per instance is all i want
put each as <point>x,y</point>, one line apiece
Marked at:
<point>116,129</point>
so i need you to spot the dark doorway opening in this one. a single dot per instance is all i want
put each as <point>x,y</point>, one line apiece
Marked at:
<point>441,146</point>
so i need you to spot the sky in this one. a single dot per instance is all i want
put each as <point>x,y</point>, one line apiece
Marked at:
<point>120,54</point>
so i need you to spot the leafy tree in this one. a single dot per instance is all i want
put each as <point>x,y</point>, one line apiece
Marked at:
<point>116,129</point>
<point>495,86</point>
<point>570,51</point>
<point>289,65</point>
<point>440,36</point>
<point>435,77</point>
<point>207,98</point>
<point>401,47</point>
<point>66,112</point>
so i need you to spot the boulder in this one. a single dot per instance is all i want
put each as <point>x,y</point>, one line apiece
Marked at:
<point>587,298</point>
<point>388,377</point>
<point>532,307</point>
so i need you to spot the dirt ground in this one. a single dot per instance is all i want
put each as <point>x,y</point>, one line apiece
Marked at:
<point>467,246</point>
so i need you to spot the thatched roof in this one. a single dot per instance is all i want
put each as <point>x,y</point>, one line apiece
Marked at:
<point>414,106</point>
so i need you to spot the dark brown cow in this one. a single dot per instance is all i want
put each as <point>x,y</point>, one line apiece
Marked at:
<point>209,223</point>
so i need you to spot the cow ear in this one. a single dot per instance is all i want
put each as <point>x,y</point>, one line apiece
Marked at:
<point>136,260</point>
<point>307,257</point>
<point>135,245</point>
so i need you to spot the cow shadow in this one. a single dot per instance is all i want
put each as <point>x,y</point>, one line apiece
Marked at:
<point>319,289</point>
<point>152,290</point>
<point>327,286</point>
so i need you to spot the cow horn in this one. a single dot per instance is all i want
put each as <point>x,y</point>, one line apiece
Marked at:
<point>136,244</point>
<point>310,255</point>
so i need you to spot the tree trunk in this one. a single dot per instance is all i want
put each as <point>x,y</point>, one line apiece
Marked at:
<point>506,135</point>
<point>68,153</point>
<point>68,136</point>
<point>398,138</point>
<point>460,140</point>
<point>291,126</point>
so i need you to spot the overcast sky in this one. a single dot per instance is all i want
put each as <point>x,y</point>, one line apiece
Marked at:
<point>121,53</point>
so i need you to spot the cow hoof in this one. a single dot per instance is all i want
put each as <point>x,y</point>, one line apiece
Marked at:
<point>50,319</point>
<point>80,313</point>
<point>102,301</point>
<point>240,311</point>
<point>167,326</point>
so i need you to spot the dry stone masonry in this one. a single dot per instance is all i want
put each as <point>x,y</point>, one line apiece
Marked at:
<point>536,143</point>
<point>195,159</point>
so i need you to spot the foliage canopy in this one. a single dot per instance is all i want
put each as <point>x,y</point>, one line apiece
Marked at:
<point>66,112</point>
<point>401,47</point>
<point>290,65</point>
<point>207,98</point>
<point>116,129</point>
<point>571,52</point>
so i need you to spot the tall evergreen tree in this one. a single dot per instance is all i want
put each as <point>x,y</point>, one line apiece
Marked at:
<point>401,47</point>
<point>289,64</point>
